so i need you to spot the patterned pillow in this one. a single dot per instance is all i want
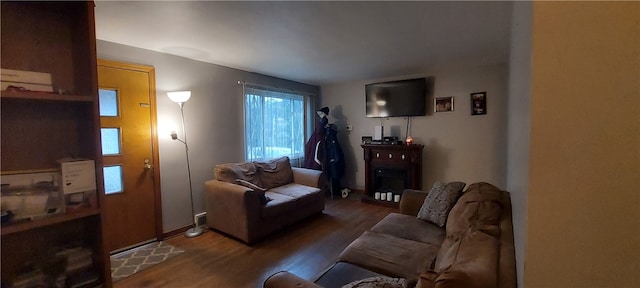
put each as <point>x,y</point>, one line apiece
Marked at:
<point>439,202</point>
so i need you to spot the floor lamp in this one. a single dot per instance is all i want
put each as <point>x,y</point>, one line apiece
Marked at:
<point>181,97</point>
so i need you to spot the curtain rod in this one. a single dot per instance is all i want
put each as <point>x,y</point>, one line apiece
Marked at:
<point>274,88</point>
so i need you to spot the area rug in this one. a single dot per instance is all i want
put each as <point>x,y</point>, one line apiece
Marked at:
<point>130,262</point>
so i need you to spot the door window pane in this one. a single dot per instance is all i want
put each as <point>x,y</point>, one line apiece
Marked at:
<point>108,102</point>
<point>110,141</point>
<point>112,179</point>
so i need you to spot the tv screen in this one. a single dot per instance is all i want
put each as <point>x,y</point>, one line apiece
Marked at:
<point>396,98</point>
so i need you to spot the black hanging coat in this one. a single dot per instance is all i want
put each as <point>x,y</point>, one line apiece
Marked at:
<point>334,157</point>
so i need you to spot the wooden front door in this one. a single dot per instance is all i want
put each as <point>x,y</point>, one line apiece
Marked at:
<point>129,148</point>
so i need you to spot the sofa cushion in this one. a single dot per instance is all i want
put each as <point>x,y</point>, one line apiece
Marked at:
<point>479,209</point>
<point>300,193</point>
<point>286,279</point>
<point>472,230</point>
<point>274,173</point>
<point>390,255</point>
<point>480,206</point>
<point>278,205</point>
<point>410,228</point>
<point>342,273</point>
<point>426,279</point>
<point>461,266</point>
<point>439,202</point>
<point>447,253</point>
<point>230,172</point>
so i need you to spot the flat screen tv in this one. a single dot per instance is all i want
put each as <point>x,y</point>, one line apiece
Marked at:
<point>396,98</point>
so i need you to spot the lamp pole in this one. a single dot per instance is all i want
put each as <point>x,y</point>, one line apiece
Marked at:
<point>181,98</point>
<point>195,231</point>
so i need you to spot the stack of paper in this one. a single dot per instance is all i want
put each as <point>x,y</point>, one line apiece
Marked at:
<point>19,80</point>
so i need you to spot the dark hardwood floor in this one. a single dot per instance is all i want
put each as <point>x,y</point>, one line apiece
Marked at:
<point>305,249</point>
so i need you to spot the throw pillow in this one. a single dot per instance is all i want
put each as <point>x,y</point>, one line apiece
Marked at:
<point>263,198</point>
<point>377,282</point>
<point>248,184</point>
<point>229,172</point>
<point>275,173</point>
<point>439,202</point>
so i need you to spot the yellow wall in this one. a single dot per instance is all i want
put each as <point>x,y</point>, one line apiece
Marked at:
<point>584,192</point>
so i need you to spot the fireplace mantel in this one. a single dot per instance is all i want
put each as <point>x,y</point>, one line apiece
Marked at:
<point>384,162</point>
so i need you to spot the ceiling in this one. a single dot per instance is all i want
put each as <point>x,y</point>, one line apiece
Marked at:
<point>315,42</point>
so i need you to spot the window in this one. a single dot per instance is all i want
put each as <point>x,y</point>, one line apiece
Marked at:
<point>108,102</point>
<point>275,124</point>
<point>113,182</point>
<point>110,141</point>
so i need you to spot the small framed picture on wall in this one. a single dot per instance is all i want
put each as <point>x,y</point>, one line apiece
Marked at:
<point>479,103</point>
<point>443,104</point>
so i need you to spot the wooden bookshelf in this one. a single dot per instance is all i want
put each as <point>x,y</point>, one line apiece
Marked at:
<point>38,128</point>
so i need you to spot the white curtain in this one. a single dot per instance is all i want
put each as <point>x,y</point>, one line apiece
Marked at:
<point>274,124</point>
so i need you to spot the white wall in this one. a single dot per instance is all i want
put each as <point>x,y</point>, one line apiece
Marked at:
<point>458,146</point>
<point>213,118</point>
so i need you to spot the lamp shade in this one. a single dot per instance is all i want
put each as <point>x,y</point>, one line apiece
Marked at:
<point>179,96</point>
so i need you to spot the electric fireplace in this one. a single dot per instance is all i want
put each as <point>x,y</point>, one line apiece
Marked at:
<point>390,169</point>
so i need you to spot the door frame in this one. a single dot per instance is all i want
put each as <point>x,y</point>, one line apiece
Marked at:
<point>157,191</point>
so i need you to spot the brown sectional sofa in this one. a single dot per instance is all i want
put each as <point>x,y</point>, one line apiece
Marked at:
<point>474,249</point>
<point>250,200</point>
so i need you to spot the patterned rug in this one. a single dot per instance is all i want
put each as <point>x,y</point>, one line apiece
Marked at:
<point>128,263</point>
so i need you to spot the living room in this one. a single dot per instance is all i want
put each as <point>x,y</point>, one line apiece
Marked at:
<point>216,107</point>
<point>523,145</point>
<point>525,136</point>
<point>555,151</point>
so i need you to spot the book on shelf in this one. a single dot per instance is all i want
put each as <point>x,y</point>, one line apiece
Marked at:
<point>18,86</point>
<point>20,76</point>
<point>32,278</point>
<point>19,80</point>
<point>77,259</point>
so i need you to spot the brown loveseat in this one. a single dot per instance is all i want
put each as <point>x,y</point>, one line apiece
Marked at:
<point>475,250</point>
<point>253,199</point>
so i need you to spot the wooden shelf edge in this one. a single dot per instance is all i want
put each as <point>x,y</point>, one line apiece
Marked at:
<point>12,228</point>
<point>31,95</point>
<point>16,172</point>
<point>396,147</point>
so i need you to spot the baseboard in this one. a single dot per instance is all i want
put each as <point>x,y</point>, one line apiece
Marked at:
<point>178,231</point>
<point>200,219</point>
<point>358,191</point>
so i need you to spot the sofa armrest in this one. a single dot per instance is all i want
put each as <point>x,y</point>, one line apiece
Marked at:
<point>307,177</point>
<point>284,279</point>
<point>232,208</point>
<point>411,201</point>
